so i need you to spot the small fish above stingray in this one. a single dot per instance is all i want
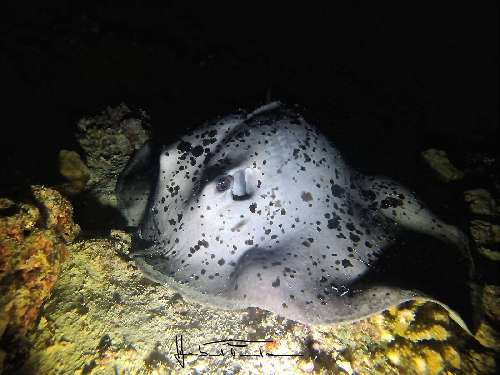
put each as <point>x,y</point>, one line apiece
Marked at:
<point>260,209</point>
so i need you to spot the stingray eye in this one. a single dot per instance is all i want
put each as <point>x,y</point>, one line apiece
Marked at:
<point>223,182</point>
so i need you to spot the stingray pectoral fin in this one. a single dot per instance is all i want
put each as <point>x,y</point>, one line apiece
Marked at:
<point>135,184</point>
<point>378,298</point>
<point>151,269</point>
<point>343,307</point>
<point>398,203</point>
<point>296,292</point>
<point>308,301</point>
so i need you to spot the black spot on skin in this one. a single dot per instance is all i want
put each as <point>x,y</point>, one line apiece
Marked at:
<point>253,206</point>
<point>184,146</point>
<point>346,263</point>
<point>276,283</point>
<point>197,151</point>
<point>249,242</point>
<point>306,196</point>
<point>306,244</point>
<point>338,191</point>
<point>221,262</point>
<point>354,237</point>
<point>334,222</point>
<point>210,141</point>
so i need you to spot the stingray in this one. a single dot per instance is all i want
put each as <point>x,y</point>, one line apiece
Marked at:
<point>260,210</point>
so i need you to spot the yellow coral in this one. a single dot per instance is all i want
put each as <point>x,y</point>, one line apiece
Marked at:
<point>451,356</point>
<point>488,336</point>
<point>393,310</point>
<point>440,315</point>
<point>434,332</point>
<point>394,356</point>
<point>434,361</point>
<point>379,321</point>
<point>403,320</point>
<point>385,335</point>
<point>419,365</point>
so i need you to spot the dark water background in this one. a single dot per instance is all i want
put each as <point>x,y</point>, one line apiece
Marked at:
<point>383,81</point>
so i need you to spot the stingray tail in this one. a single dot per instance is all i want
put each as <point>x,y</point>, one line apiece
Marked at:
<point>265,108</point>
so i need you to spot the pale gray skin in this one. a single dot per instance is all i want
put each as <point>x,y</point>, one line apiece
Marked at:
<point>293,232</point>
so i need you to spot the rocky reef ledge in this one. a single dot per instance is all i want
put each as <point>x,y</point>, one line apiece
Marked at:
<point>103,317</point>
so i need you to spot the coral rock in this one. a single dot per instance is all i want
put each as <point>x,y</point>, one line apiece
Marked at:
<point>104,315</point>
<point>109,139</point>
<point>484,232</point>
<point>438,161</point>
<point>480,202</point>
<point>74,170</point>
<point>59,212</point>
<point>30,262</point>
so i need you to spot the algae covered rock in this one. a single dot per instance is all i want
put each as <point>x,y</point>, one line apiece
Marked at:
<point>480,202</point>
<point>486,239</point>
<point>486,235</point>
<point>443,168</point>
<point>74,170</point>
<point>484,232</point>
<point>108,140</point>
<point>104,317</point>
<point>33,245</point>
<point>58,212</point>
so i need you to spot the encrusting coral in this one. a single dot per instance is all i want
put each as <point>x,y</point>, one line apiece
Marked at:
<point>33,245</point>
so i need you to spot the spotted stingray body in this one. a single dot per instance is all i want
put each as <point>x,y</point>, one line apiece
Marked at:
<point>261,210</point>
